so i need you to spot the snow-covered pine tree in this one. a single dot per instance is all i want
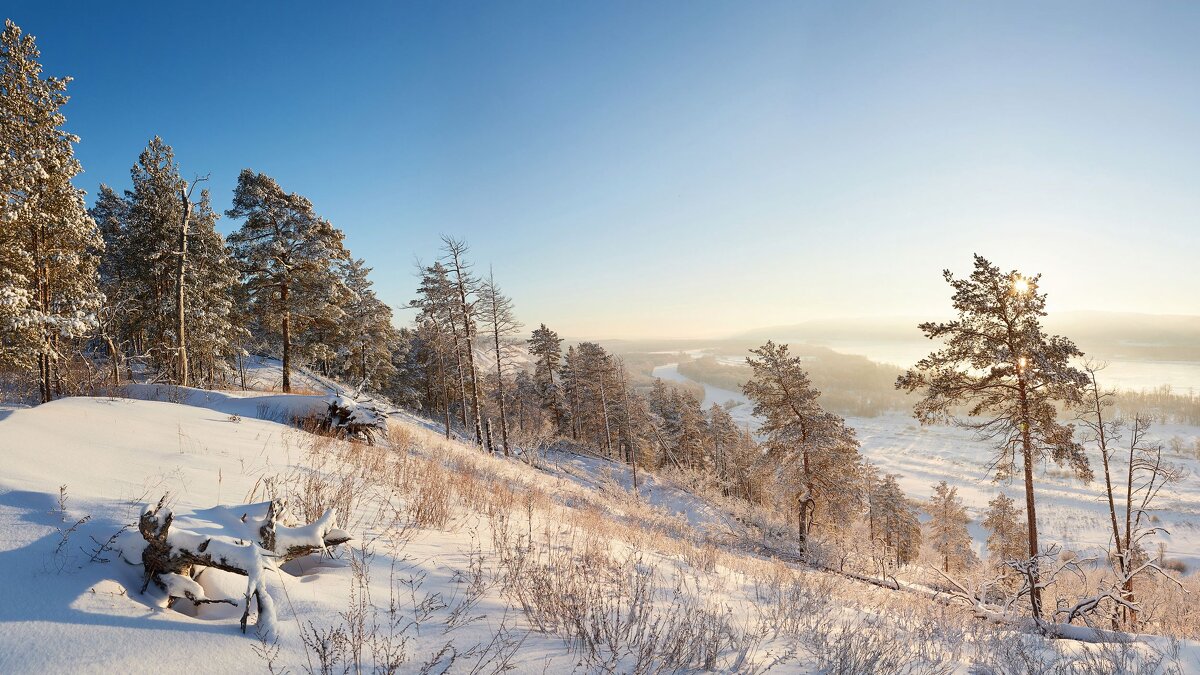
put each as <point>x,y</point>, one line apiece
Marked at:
<point>213,321</point>
<point>896,521</point>
<point>635,425</point>
<point>501,324</point>
<point>682,430</point>
<point>545,348</point>
<point>111,214</point>
<point>593,387</point>
<point>166,273</point>
<point>571,400</point>
<point>49,245</point>
<point>722,436</point>
<point>321,338</point>
<point>813,447</point>
<point>436,302</point>
<point>732,453</point>
<point>286,254</point>
<point>947,529</point>
<point>1008,538</point>
<point>999,365</point>
<point>370,338</point>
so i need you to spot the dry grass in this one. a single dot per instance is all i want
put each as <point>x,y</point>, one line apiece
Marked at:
<point>628,587</point>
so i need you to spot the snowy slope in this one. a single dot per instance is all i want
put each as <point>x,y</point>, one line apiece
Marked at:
<point>461,562</point>
<point>63,613</point>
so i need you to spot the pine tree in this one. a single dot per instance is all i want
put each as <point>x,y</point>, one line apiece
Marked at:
<point>167,275</point>
<point>366,329</point>
<point>1000,366</point>
<point>593,387</point>
<point>896,522</point>
<point>287,255</point>
<point>1008,538</point>
<point>816,445</point>
<point>213,322</point>
<point>545,347</point>
<point>436,302</point>
<point>947,527</point>
<point>49,244</point>
<point>111,214</point>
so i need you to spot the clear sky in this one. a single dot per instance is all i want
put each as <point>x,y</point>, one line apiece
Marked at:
<point>680,169</point>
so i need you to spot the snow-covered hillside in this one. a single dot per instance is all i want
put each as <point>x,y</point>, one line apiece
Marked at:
<point>460,562</point>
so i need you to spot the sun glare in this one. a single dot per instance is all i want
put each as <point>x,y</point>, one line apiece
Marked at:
<point>1020,286</point>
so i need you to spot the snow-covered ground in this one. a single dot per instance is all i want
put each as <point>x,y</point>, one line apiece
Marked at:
<point>74,472</point>
<point>459,562</point>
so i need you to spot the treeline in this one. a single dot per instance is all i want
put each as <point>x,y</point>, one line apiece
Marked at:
<point>143,285</point>
<point>1162,403</point>
<point>468,364</point>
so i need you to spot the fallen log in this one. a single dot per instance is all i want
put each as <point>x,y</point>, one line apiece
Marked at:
<point>171,556</point>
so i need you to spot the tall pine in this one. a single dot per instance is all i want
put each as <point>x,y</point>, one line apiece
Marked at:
<point>286,254</point>
<point>49,244</point>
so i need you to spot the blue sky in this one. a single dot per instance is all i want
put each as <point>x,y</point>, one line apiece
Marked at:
<point>680,169</point>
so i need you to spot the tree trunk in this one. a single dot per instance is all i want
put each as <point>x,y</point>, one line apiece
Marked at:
<point>180,279</point>
<point>1035,593</point>
<point>287,338</point>
<point>466,317</point>
<point>112,355</point>
<point>500,388</point>
<point>1127,589</point>
<point>462,382</point>
<point>604,411</point>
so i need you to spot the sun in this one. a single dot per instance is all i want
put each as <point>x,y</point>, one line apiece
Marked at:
<point>1020,286</point>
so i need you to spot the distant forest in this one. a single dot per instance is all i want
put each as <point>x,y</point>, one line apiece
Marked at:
<point>849,384</point>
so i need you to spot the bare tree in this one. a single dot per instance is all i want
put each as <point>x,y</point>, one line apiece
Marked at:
<point>185,199</point>
<point>465,285</point>
<point>501,323</point>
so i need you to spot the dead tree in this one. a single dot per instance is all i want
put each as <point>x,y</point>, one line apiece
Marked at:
<point>501,323</point>
<point>185,198</point>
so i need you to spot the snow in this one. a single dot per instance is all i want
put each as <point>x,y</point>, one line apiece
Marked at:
<point>69,605</point>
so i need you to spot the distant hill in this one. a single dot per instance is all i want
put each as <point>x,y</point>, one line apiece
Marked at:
<point>1107,335</point>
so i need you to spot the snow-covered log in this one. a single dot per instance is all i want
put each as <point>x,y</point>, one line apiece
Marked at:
<point>172,555</point>
<point>289,543</point>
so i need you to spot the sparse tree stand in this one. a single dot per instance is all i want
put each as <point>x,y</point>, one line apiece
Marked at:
<point>1146,474</point>
<point>465,285</point>
<point>501,323</point>
<point>1008,374</point>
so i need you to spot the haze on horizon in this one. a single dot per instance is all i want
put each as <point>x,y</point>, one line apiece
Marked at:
<point>684,169</point>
